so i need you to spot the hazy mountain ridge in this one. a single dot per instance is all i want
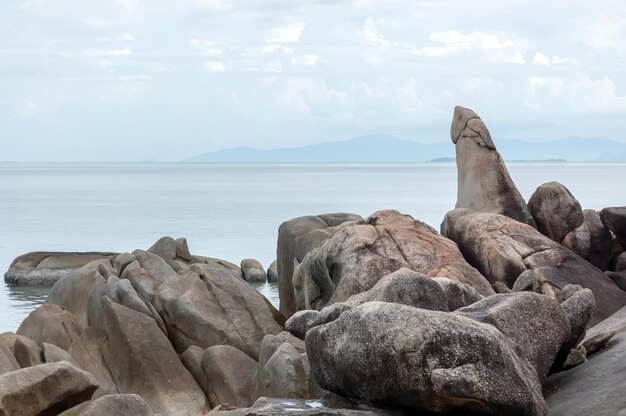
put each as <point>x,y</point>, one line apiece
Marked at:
<point>389,149</point>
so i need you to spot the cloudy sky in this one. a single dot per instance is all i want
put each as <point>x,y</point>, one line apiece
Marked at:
<point>154,79</point>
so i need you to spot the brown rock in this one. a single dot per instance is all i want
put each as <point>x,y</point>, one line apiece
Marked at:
<point>112,405</point>
<point>555,210</point>
<point>231,376</point>
<point>51,323</point>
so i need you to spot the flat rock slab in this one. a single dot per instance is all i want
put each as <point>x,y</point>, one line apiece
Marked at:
<point>46,267</point>
<point>596,387</point>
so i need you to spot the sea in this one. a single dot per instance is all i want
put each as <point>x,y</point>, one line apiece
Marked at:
<point>229,211</point>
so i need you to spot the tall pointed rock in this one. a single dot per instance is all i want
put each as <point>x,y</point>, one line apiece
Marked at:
<point>484,183</point>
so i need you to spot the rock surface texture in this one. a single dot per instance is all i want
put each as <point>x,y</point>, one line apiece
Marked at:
<point>555,210</point>
<point>358,254</point>
<point>484,183</point>
<point>502,249</point>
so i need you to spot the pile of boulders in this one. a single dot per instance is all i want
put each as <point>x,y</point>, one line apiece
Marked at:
<point>513,309</point>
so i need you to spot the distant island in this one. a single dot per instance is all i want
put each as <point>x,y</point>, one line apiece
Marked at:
<point>390,149</point>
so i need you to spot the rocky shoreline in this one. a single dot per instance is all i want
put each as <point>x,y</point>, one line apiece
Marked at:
<point>513,308</point>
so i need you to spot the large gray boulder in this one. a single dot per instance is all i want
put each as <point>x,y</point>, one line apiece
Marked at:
<point>615,220</point>
<point>252,271</point>
<point>206,309</point>
<point>555,210</point>
<point>595,387</point>
<point>112,405</point>
<point>600,250</point>
<point>45,268</point>
<point>230,376</point>
<point>142,361</point>
<point>400,356</point>
<point>536,324</point>
<point>293,244</point>
<point>484,183</point>
<point>51,323</point>
<point>27,352</point>
<point>8,362</point>
<point>44,389</point>
<point>86,352</point>
<point>360,253</point>
<point>502,249</point>
<point>272,272</point>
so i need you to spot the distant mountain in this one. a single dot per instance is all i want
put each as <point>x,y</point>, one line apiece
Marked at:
<point>389,149</point>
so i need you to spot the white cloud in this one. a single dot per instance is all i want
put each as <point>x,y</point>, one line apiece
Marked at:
<point>108,52</point>
<point>540,59</point>
<point>205,47</point>
<point>372,34</point>
<point>126,37</point>
<point>605,32</point>
<point>274,66</point>
<point>453,42</point>
<point>290,33</point>
<point>556,59</point>
<point>308,59</point>
<point>215,66</point>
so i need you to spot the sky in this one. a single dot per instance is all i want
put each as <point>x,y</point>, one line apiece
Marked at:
<point>129,80</point>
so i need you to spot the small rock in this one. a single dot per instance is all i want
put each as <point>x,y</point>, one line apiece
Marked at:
<point>555,210</point>
<point>598,341</point>
<point>300,322</point>
<point>272,272</point>
<point>500,287</point>
<point>615,220</point>
<point>575,357</point>
<point>27,353</point>
<point>252,271</point>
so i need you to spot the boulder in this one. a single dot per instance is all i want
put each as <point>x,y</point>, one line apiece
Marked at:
<point>8,339</point>
<point>620,263</point>
<point>44,389</point>
<point>536,324</point>
<point>252,271</point>
<point>112,405</point>
<point>230,374</point>
<point>457,294</point>
<point>360,253</point>
<point>595,387</point>
<point>203,309</point>
<point>484,183</point>
<point>7,360</point>
<point>142,361</point>
<point>618,278</point>
<point>165,247</point>
<point>599,240</point>
<point>52,354</point>
<point>192,360</point>
<point>27,352</point>
<point>281,371</point>
<point>300,322</point>
<point>502,249</point>
<point>272,272</point>
<point>598,341</point>
<point>400,356</point>
<point>73,290</point>
<point>579,308</point>
<point>86,352</point>
<point>555,210</point>
<point>615,220</point>
<point>51,323</point>
<point>579,241</point>
<point>45,268</point>
<point>288,234</point>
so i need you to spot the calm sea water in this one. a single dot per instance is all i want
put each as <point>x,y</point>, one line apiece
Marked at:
<point>229,211</point>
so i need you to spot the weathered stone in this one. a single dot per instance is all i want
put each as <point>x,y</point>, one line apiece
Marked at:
<point>576,356</point>
<point>164,247</point>
<point>526,281</point>
<point>272,272</point>
<point>52,354</point>
<point>182,249</point>
<point>595,387</point>
<point>620,263</point>
<point>500,287</point>
<point>288,233</point>
<point>598,341</point>
<point>300,322</point>
<point>502,249</point>
<point>484,183</point>
<point>618,278</point>
<point>142,361</point>
<point>7,360</point>
<point>27,352</point>
<point>112,405</point>
<point>536,324</point>
<point>555,210</point>
<point>281,371</point>
<point>457,294</point>
<point>579,308</point>
<point>192,360</point>
<point>86,352</point>
<point>400,356</point>
<point>44,389</point>
<point>72,292</point>
<point>360,253</point>
<point>578,241</point>
<point>230,374</point>
<point>51,323</point>
<point>205,310</point>
<point>615,220</point>
<point>45,268</point>
<point>252,271</point>
<point>599,240</point>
